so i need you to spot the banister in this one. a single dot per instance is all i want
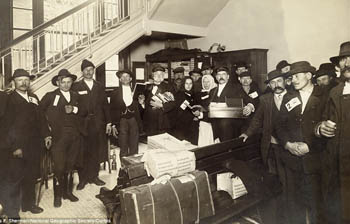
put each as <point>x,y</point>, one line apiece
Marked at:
<point>45,25</point>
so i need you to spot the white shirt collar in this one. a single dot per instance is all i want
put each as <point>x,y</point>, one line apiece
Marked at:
<point>346,89</point>
<point>220,88</point>
<point>89,83</point>
<point>305,95</point>
<point>280,94</point>
<point>127,95</point>
<point>66,95</point>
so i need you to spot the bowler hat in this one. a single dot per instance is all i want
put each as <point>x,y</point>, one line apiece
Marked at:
<point>301,66</point>
<point>158,67</point>
<point>282,64</point>
<point>179,70</point>
<point>245,74</point>
<point>121,72</point>
<point>196,70</point>
<point>86,63</point>
<point>20,72</point>
<point>274,74</point>
<point>325,69</point>
<point>344,51</point>
<point>63,73</point>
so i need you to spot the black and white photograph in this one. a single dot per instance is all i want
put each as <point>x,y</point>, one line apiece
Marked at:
<point>175,111</point>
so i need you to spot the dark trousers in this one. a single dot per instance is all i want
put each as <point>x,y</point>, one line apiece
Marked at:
<point>65,151</point>
<point>227,128</point>
<point>304,197</point>
<point>91,164</point>
<point>128,137</point>
<point>21,182</point>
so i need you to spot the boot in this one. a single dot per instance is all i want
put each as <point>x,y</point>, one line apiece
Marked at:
<point>57,192</point>
<point>68,188</point>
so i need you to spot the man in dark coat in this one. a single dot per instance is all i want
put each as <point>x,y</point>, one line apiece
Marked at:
<point>26,134</point>
<point>228,128</point>
<point>196,76</point>
<point>61,108</point>
<point>97,123</point>
<point>325,76</point>
<point>335,128</point>
<point>160,102</point>
<point>125,114</point>
<point>295,129</point>
<point>264,121</point>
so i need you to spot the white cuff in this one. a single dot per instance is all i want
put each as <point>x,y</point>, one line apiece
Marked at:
<point>201,115</point>
<point>251,106</point>
<point>75,109</point>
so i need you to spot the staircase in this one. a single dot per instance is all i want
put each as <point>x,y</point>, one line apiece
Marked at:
<point>94,30</point>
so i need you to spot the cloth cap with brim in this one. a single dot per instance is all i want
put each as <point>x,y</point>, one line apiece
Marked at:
<point>157,68</point>
<point>274,74</point>
<point>179,70</point>
<point>21,73</point>
<point>343,52</point>
<point>121,72</point>
<point>240,64</point>
<point>245,74</point>
<point>64,73</point>
<point>282,64</point>
<point>196,70</point>
<point>301,67</point>
<point>86,63</point>
<point>222,68</point>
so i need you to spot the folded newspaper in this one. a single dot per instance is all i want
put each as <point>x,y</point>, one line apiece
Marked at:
<point>168,142</point>
<point>231,184</point>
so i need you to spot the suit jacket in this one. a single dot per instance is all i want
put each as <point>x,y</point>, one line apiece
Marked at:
<point>94,102</point>
<point>335,159</point>
<point>158,120</point>
<point>263,119</point>
<point>254,94</point>
<point>55,112</point>
<point>229,91</point>
<point>118,106</point>
<point>27,126</point>
<point>296,127</point>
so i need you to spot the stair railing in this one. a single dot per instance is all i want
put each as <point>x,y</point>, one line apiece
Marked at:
<point>47,45</point>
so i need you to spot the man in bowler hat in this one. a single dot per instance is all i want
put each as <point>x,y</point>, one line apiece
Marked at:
<point>335,129</point>
<point>125,115</point>
<point>61,107</point>
<point>27,135</point>
<point>298,115</point>
<point>97,123</point>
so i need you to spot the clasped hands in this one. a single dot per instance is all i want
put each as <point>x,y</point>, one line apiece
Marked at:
<point>297,148</point>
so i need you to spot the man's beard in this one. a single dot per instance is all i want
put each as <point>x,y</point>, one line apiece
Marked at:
<point>346,69</point>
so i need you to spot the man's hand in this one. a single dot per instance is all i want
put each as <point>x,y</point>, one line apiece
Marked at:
<point>294,148</point>
<point>68,108</point>
<point>196,113</point>
<point>156,104</point>
<point>247,110</point>
<point>108,129</point>
<point>327,129</point>
<point>302,147</point>
<point>48,142</point>
<point>244,136</point>
<point>18,153</point>
<point>114,131</point>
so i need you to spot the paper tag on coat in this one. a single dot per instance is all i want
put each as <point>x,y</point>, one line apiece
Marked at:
<point>184,105</point>
<point>254,95</point>
<point>82,92</point>
<point>292,103</point>
<point>55,102</point>
<point>154,90</point>
<point>33,100</point>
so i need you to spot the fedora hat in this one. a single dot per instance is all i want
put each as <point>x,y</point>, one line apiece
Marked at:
<point>325,69</point>
<point>62,73</point>
<point>344,51</point>
<point>20,72</point>
<point>121,72</point>
<point>273,74</point>
<point>301,66</point>
<point>282,64</point>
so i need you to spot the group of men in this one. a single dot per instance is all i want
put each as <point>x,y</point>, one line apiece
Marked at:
<point>305,139</point>
<point>302,115</point>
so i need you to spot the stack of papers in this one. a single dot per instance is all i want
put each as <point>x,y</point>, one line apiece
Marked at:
<point>231,184</point>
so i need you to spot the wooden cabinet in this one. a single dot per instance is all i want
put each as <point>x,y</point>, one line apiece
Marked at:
<point>190,59</point>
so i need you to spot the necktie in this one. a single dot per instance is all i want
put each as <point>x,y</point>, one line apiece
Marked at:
<point>278,101</point>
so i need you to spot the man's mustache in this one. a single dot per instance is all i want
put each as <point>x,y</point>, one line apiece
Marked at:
<point>278,88</point>
<point>221,79</point>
